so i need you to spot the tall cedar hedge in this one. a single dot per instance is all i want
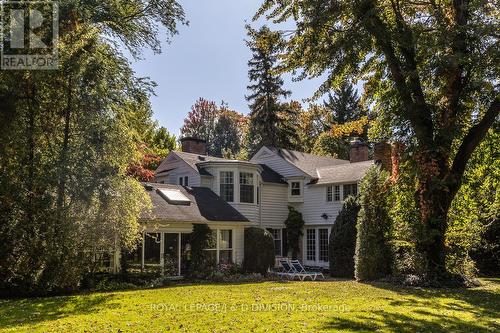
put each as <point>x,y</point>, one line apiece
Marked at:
<point>372,258</point>
<point>259,250</point>
<point>343,240</point>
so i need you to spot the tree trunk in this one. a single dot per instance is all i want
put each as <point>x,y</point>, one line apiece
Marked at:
<point>434,196</point>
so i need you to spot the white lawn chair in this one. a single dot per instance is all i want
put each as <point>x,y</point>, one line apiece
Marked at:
<point>285,269</point>
<point>302,273</point>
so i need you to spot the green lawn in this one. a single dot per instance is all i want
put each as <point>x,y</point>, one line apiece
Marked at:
<point>262,307</point>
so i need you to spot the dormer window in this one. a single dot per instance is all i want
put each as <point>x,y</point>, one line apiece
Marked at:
<point>295,189</point>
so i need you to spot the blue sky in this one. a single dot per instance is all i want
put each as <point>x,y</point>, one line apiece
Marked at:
<point>206,59</point>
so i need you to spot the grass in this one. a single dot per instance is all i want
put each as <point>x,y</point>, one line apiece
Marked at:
<point>262,307</point>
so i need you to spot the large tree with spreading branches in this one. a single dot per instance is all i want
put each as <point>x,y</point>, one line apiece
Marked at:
<point>430,66</point>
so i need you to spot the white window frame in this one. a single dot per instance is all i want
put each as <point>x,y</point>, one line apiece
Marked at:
<point>252,183</point>
<point>336,195</point>
<point>279,234</point>
<point>221,183</point>
<point>218,248</point>
<point>292,188</point>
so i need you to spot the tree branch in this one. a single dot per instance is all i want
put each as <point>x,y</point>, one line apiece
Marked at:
<point>417,111</point>
<point>472,140</point>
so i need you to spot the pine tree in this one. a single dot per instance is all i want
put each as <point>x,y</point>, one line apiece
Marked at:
<point>266,88</point>
<point>344,104</point>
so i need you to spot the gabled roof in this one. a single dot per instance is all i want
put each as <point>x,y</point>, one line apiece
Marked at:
<point>191,160</point>
<point>205,206</point>
<point>308,163</point>
<point>344,173</point>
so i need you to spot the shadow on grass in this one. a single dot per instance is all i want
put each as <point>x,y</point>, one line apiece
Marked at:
<point>438,306</point>
<point>35,310</point>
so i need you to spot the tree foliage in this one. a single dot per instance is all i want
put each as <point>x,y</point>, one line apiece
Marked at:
<point>294,225</point>
<point>342,243</point>
<point>430,70</point>
<point>269,118</point>
<point>372,258</point>
<point>259,250</point>
<point>68,136</point>
<point>344,105</point>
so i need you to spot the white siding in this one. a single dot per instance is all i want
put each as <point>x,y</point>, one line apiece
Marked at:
<point>315,205</point>
<point>179,169</point>
<point>274,205</point>
<point>278,164</point>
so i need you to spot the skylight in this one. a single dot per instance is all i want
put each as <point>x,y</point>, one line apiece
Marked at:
<point>174,196</point>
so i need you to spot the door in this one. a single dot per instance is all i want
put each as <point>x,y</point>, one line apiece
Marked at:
<point>171,254</point>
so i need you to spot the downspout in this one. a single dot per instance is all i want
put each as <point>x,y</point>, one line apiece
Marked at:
<point>260,202</point>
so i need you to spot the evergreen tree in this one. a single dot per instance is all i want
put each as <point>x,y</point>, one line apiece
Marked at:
<point>266,88</point>
<point>344,104</point>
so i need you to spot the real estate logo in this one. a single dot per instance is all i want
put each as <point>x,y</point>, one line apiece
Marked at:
<point>29,34</point>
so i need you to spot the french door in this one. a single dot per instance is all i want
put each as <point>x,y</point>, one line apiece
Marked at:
<point>316,246</point>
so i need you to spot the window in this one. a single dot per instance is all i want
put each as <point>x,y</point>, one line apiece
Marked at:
<point>323,244</point>
<point>225,246</point>
<point>329,193</point>
<point>311,244</point>
<point>295,189</point>
<point>186,181</point>
<point>180,181</point>
<point>152,248</point>
<point>277,241</point>
<point>221,247</point>
<point>336,193</point>
<point>350,189</point>
<point>227,186</point>
<point>246,187</point>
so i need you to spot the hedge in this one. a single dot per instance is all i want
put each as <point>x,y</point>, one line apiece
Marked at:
<point>343,240</point>
<point>259,250</point>
<point>373,253</point>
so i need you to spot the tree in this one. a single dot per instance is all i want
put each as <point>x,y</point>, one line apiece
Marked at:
<point>294,224</point>
<point>372,258</point>
<point>68,137</point>
<point>266,88</point>
<point>342,243</point>
<point>200,122</point>
<point>344,104</point>
<point>312,123</point>
<point>229,130</point>
<point>430,66</point>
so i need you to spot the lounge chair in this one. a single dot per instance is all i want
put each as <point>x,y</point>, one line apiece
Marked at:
<point>285,269</point>
<point>302,273</point>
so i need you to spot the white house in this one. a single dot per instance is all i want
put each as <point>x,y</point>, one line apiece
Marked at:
<point>249,193</point>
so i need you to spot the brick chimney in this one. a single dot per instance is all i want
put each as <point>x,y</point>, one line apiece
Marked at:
<point>194,145</point>
<point>382,154</point>
<point>359,151</point>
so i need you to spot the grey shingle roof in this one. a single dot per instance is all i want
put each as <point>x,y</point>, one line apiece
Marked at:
<point>308,163</point>
<point>192,159</point>
<point>350,172</point>
<point>205,206</point>
<point>271,176</point>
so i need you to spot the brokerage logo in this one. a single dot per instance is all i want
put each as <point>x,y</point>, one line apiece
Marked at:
<point>29,33</point>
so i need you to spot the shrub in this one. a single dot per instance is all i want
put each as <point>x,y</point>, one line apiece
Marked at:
<point>343,240</point>
<point>294,224</point>
<point>259,250</point>
<point>372,258</point>
<point>201,264</point>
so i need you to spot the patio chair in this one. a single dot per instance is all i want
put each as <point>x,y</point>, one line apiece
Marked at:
<point>285,269</point>
<point>301,271</point>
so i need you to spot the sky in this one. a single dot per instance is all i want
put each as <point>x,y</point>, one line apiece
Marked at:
<point>206,59</point>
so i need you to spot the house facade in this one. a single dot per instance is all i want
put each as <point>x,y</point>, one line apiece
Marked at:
<point>257,192</point>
